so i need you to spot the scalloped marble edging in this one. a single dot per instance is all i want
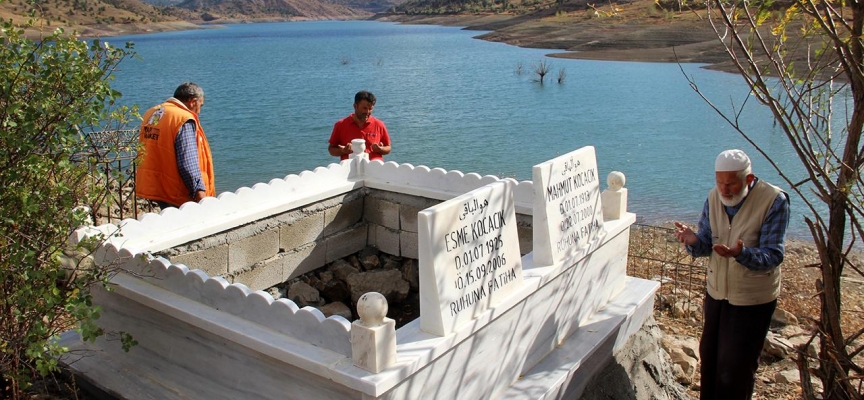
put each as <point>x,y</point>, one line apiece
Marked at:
<point>128,244</point>
<point>307,324</point>
<point>439,183</point>
<point>172,227</point>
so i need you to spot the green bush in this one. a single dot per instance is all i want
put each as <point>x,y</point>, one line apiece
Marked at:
<point>54,91</point>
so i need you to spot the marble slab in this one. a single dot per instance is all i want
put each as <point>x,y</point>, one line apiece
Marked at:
<point>469,256</point>
<point>567,210</point>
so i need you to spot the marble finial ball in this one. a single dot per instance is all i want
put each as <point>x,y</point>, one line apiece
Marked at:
<point>615,180</point>
<point>372,308</point>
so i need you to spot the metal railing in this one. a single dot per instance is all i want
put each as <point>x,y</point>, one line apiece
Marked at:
<point>114,154</point>
<point>657,255</point>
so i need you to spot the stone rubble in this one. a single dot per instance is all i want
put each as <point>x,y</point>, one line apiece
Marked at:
<point>784,336</point>
<point>335,288</point>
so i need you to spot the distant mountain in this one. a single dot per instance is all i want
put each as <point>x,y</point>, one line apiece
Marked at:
<point>253,9</point>
<point>105,16</point>
<point>163,3</point>
<point>372,6</point>
<point>85,13</point>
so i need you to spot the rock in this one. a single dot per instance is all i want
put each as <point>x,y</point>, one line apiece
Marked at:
<point>335,290</point>
<point>337,308</point>
<point>277,292</point>
<point>370,262</point>
<point>684,353</point>
<point>304,295</point>
<point>688,345</point>
<point>685,308</point>
<point>776,346</point>
<point>310,279</point>
<point>411,273</point>
<point>663,301</point>
<point>368,251</point>
<point>783,318</point>
<point>325,276</point>
<point>387,282</point>
<point>788,376</point>
<point>790,331</point>
<point>680,376</point>
<point>342,269</point>
<point>800,340</point>
<point>640,370</point>
<point>686,366</point>
<point>368,258</point>
<point>391,262</point>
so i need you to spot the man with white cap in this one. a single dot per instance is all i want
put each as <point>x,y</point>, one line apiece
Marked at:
<point>743,230</point>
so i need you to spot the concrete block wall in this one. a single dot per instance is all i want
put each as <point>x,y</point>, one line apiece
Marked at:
<point>392,221</point>
<point>275,249</point>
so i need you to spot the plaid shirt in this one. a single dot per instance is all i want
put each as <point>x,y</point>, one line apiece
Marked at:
<point>186,147</point>
<point>772,236</point>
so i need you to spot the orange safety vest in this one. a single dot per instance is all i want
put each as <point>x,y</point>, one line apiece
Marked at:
<point>157,177</point>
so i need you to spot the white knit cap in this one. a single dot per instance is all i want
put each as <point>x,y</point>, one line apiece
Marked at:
<point>731,160</point>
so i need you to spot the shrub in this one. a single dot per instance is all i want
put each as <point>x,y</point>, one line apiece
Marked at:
<point>52,92</point>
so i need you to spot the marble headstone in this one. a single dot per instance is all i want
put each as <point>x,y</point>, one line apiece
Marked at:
<point>469,256</point>
<point>567,210</point>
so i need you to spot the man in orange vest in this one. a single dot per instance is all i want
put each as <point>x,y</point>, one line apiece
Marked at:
<point>177,165</point>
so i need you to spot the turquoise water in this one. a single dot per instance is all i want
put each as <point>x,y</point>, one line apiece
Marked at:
<point>274,90</point>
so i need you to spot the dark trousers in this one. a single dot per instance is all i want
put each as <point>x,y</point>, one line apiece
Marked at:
<point>732,341</point>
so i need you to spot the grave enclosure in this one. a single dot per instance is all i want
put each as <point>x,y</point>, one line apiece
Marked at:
<point>523,290</point>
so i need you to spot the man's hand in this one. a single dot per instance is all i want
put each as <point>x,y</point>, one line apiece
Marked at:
<point>200,195</point>
<point>380,148</point>
<point>347,149</point>
<point>725,251</point>
<point>685,234</point>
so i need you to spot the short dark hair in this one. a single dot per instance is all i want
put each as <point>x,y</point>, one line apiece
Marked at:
<point>188,91</point>
<point>364,95</point>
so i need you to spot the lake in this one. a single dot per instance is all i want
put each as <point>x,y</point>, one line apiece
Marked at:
<point>274,90</point>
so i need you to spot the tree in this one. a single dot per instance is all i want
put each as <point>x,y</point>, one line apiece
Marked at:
<point>542,68</point>
<point>805,65</point>
<point>53,91</point>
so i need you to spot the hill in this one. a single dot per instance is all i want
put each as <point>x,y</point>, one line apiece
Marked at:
<point>210,10</point>
<point>93,18</point>
<point>83,12</point>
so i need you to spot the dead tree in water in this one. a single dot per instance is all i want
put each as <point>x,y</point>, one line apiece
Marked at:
<point>542,68</point>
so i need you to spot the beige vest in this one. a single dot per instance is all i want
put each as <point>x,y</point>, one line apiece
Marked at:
<point>727,279</point>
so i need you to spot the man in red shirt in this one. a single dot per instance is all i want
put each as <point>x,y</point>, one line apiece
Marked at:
<point>360,125</point>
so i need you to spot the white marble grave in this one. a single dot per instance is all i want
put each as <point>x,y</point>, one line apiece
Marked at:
<point>469,257</point>
<point>557,317</point>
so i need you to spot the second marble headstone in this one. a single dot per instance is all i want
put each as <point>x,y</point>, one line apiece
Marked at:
<point>567,209</point>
